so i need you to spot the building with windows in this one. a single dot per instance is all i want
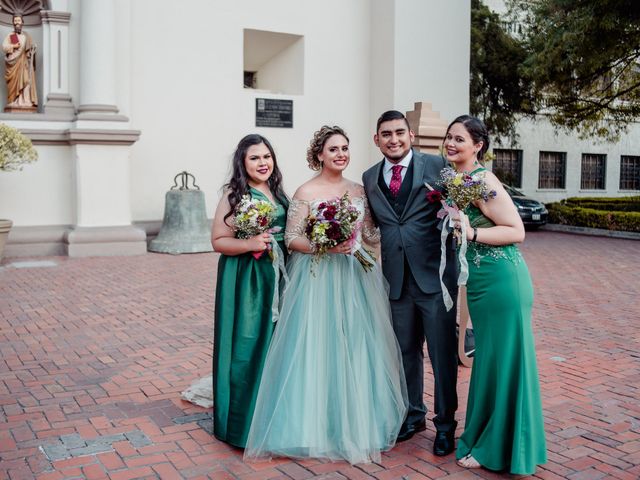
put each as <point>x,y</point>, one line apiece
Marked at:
<point>551,165</point>
<point>134,92</point>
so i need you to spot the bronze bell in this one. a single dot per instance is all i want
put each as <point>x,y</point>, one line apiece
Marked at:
<point>185,227</point>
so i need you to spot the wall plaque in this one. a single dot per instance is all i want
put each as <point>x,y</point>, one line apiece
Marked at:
<point>271,112</point>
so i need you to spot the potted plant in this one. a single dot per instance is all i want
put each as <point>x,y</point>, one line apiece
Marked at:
<point>16,149</point>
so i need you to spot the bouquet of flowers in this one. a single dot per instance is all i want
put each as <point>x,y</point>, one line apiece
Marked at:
<point>253,217</point>
<point>462,189</point>
<point>333,222</point>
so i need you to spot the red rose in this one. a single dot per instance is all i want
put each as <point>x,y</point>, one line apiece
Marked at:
<point>333,232</point>
<point>434,196</point>
<point>330,212</point>
<point>309,229</point>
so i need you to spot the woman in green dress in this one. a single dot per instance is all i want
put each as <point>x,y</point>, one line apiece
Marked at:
<point>245,289</point>
<point>504,428</point>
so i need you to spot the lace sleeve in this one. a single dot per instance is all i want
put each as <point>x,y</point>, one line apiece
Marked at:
<point>296,220</point>
<point>370,233</point>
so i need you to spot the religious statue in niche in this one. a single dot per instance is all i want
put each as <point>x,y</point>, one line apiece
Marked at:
<point>20,75</point>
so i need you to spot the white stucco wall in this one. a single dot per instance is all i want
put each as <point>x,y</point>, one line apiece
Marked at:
<point>43,192</point>
<point>284,73</point>
<point>420,52</point>
<point>192,108</point>
<point>432,48</point>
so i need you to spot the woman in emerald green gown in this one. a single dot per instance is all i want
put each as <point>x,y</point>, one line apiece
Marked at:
<point>504,428</point>
<point>245,289</point>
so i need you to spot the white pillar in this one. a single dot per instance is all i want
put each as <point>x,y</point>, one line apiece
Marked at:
<point>102,199</point>
<point>55,59</point>
<point>97,58</point>
<point>102,195</point>
<point>101,142</point>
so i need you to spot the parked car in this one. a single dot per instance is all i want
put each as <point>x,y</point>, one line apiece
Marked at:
<point>532,212</point>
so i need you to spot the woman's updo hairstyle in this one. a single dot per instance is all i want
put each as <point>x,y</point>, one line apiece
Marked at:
<point>317,144</point>
<point>477,131</point>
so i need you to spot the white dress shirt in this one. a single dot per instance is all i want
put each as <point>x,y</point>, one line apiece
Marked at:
<point>387,172</point>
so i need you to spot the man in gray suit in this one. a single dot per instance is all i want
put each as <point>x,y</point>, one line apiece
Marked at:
<point>410,262</point>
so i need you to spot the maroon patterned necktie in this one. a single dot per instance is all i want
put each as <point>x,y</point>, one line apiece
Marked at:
<point>396,180</point>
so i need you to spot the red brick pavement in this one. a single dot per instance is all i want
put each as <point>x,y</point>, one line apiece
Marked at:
<point>96,351</point>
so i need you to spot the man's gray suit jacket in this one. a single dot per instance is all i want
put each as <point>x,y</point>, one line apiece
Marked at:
<point>413,238</point>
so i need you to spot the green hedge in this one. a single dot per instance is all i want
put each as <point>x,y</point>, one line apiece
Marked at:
<point>568,214</point>
<point>609,204</point>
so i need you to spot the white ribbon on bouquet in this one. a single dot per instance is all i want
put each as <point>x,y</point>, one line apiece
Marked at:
<point>448,215</point>
<point>278,269</point>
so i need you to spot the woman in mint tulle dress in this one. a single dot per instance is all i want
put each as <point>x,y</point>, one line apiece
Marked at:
<point>504,428</point>
<point>332,385</point>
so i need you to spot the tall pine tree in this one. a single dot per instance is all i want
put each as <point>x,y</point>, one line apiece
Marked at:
<point>583,62</point>
<point>499,93</point>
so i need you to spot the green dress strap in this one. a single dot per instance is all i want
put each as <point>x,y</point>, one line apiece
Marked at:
<point>277,202</point>
<point>257,193</point>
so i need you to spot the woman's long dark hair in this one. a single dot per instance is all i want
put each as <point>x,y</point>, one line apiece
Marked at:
<point>238,185</point>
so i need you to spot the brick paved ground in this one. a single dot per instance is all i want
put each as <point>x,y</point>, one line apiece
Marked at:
<point>95,353</point>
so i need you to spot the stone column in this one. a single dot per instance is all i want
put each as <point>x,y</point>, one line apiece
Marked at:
<point>97,59</point>
<point>55,60</point>
<point>101,141</point>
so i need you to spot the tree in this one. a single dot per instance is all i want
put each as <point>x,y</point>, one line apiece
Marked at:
<point>583,62</point>
<point>499,92</point>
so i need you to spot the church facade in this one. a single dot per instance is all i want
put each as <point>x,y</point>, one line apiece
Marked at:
<point>132,93</point>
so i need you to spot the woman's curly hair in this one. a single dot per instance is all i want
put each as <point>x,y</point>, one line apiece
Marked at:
<point>317,144</point>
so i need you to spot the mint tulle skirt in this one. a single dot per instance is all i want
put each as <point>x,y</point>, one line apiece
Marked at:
<point>332,385</point>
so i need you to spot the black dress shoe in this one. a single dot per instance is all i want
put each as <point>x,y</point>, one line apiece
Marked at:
<point>444,443</point>
<point>409,430</point>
